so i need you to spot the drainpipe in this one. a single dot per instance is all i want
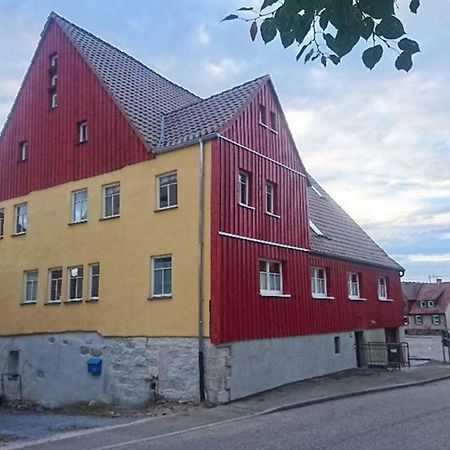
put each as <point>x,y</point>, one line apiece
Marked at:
<point>201,207</point>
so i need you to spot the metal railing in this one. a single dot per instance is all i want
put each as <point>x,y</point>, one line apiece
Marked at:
<point>382,354</point>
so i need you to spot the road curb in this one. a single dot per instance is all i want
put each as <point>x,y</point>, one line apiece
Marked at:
<point>331,398</point>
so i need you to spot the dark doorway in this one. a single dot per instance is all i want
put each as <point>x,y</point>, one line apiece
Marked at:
<point>359,346</point>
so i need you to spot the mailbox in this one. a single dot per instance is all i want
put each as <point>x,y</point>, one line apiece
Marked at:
<point>94,365</point>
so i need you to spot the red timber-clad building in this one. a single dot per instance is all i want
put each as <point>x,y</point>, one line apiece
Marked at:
<point>266,280</point>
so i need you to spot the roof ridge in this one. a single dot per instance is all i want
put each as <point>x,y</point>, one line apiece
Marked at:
<point>56,16</point>
<point>201,100</point>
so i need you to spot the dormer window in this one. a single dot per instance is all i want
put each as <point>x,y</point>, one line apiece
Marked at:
<point>430,304</point>
<point>54,60</point>
<point>316,229</point>
<point>262,115</point>
<point>82,132</point>
<point>23,151</point>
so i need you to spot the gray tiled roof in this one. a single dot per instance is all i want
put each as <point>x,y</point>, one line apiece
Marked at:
<point>343,236</point>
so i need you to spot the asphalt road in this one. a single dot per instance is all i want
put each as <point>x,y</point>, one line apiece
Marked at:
<point>410,418</point>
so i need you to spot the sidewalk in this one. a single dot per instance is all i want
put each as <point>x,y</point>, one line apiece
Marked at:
<point>328,388</point>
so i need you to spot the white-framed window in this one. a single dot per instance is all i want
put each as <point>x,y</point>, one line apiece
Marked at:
<point>75,283</point>
<point>270,197</point>
<point>353,285</point>
<point>430,304</point>
<point>262,115</point>
<point>270,277</point>
<point>436,319</point>
<point>316,229</point>
<point>382,288</point>
<point>30,286</point>
<point>54,60</point>
<point>55,279</point>
<point>20,218</point>
<point>2,222</point>
<point>273,121</point>
<point>244,188</point>
<point>94,281</point>
<point>167,190</point>
<point>318,282</point>
<point>82,132</point>
<point>418,319</point>
<point>111,200</point>
<point>54,80</point>
<point>423,303</point>
<point>53,100</point>
<point>80,206</point>
<point>23,151</point>
<point>161,276</point>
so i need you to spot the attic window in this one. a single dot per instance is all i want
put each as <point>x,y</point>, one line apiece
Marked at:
<point>430,304</point>
<point>82,132</point>
<point>316,191</point>
<point>23,151</point>
<point>315,228</point>
<point>53,100</point>
<point>263,115</point>
<point>273,121</point>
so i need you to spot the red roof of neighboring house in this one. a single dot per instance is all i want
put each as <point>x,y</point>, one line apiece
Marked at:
<point>438,292</point>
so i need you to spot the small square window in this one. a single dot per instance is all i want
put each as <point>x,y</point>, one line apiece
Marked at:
<point>430,304</point>
<point>270,277</point>
<point>30,286</point>
<point>423,304</point>
<point>82,132</point>
<point>262,115</point>
<point>418,320</point>
<point>436,319</point>
<point>162,276</point>
<point>111,200</point>
<point>273,121</point>
<point>23,151</point>
<point>167,190</point>
<point>318,282</point>
<point>21,218</point>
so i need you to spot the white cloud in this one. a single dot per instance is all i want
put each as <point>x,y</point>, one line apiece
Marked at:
<point>224,68</point>
<point>203,36</point>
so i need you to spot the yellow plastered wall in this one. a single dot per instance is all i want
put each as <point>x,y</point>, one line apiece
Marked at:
<point>123,246</point>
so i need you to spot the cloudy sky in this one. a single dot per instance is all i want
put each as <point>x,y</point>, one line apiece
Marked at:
<point>378,141</point>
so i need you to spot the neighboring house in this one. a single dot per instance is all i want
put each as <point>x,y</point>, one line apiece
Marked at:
<point>427,307</point>
<point>177,240</point>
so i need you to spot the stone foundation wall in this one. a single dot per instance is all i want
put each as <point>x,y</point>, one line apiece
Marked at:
<point>53,368</point>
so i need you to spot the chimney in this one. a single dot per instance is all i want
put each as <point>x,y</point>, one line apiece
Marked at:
<point>438,280</point>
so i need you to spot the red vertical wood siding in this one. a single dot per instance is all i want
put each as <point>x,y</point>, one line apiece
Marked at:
<point>238,312</point>
<point>54,157</point>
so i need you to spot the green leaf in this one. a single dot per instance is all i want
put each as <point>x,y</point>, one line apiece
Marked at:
<point>268,30</point>
<point>246,8</point>
<point>287,38</point>
<point>335,59</point>
<point>409,46</point>
<point>344,41</point>
<point>377,8</point>
<point>267,3</point>
<point>323,61</point>
<point>404,62</point>
<point>372,56</point>
<point>308,55</point>
<point>253,30</point>
<point>414,6</point>
<point>367,26</point>
<point>390,28</point>
<point>300,53</point>
<point>315,56</point>
<point>230,17</point>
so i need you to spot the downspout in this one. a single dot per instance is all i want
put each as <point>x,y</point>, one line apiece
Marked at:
<point>201,207</point>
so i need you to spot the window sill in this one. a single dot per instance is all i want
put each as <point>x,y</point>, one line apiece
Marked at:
<point>92,300</point>
<point>247,206</point>
<point>357,299</point>
<point>53,303</point>
<point>389,300</point>
<point>28,303</point>
<point>273,131</point>
<point>68,302</point>
<point>109,218</point>
<point>81,143</point>
<point>322,297</point>
<point>275,295</point>
<point>159,297</point>
<point>166,208</point>
<point>77,223</point>
<point>263,124</point>
<point>19,234</point>
<point>275,216</point>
